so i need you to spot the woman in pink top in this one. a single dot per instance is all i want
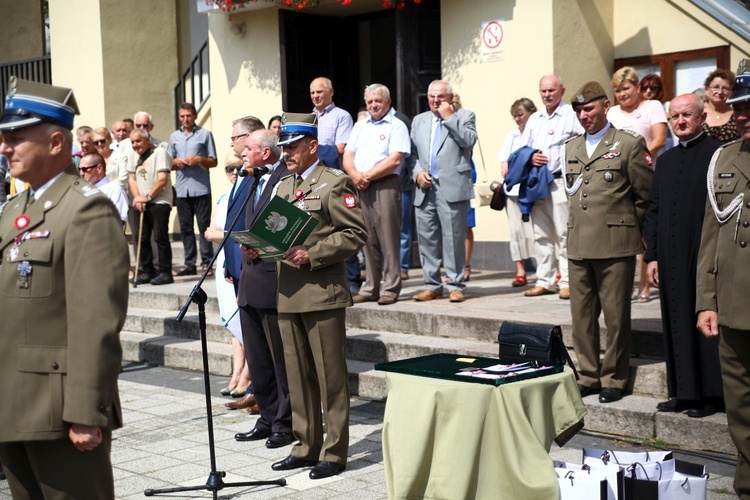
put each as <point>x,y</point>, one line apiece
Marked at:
<point>646,118</point>
<point>633,113</point>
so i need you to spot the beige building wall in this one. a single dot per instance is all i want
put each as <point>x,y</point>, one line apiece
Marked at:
<point>673,26</point>
<point>245,77</point>
<point>22,28</point>
<point>117,59</point>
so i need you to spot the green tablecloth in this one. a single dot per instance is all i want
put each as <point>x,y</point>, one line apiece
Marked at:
<point>451,440</point>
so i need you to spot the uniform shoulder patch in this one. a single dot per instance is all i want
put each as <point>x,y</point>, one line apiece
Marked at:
<point>334,171</point>
<point>630,132</point>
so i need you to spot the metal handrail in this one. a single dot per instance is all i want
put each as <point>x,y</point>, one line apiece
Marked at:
<point>195,82</point>
<point>38,69</point>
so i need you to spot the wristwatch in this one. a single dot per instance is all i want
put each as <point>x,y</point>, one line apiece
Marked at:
<point>148,197</point>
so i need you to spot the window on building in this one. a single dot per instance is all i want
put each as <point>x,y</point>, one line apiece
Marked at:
<point>681,72</point>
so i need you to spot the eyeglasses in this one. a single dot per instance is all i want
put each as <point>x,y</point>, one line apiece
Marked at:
<point>232,170</point>
<point>235,137</point>
<point>718,88</point>
<point>142,125</point>
<point>86,169</point>
<point>100,142</point>
<point>652,88</point>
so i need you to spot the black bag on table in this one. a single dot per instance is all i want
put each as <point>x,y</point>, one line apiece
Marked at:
<point>539,345</point>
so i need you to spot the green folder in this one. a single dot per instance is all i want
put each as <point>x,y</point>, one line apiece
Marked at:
<point>280,226</point>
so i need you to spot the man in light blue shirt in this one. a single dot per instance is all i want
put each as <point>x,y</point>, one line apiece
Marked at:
<point>373,158</point>
<point>193,150</point>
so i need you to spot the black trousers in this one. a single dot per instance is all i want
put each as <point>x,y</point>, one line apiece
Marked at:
<point>156,220</point>
<point>264,353</point>
<point>198,208</point>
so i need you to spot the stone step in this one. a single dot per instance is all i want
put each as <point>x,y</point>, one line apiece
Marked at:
<point>160,322</point>
<point>633,417</point>
<point>175,352</point>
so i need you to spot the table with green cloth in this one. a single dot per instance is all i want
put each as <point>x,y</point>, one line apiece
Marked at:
<point>448,439</point>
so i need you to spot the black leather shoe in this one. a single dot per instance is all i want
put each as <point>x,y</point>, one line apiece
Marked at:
<point>587,391</point>
<point>186,271</point>
<point>142,279</point>
<point>254,435</point>
<point>610,395</point>
<point>279,439</point>
<point>701,411</point>
<point>326,469</point>
<point>674,405</point>
<point>291,462</point>
<point>162,279</point>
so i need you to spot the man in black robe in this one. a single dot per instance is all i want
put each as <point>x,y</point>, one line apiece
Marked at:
<point>672,232</point>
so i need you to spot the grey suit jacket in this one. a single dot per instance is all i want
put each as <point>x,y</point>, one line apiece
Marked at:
<point>453,156</point>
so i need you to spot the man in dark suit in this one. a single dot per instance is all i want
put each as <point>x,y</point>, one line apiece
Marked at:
<point>264,350</point>
<point>312,301</point>
<point>607,179</point>
<point>241,128</point>
<point>63,275</point>
<point>444,138</point>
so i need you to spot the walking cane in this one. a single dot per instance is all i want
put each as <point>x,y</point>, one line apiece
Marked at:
<point>138,252</point>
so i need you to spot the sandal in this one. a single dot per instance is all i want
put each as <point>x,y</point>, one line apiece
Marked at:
<point>467,273</point>
<point>519,281</point>
<point>642,298</point>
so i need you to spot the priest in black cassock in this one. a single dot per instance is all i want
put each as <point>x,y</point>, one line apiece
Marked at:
<point>672,233</point>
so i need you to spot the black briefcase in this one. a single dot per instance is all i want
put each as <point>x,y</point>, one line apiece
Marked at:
<point>539,345</point>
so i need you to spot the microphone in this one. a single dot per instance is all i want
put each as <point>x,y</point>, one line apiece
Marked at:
<point>255,171</point>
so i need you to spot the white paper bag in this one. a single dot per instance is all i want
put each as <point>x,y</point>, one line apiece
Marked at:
<point>581,484</point>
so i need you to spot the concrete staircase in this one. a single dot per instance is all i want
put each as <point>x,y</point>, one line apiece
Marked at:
<point>408,329</point>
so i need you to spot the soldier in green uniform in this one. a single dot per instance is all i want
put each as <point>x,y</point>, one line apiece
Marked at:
<point>312,300</point>
<point>607,179</point>
<point>63,280</point>
<point>723,275</point>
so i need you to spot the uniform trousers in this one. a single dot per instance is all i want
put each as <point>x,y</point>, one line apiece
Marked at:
<point>602,285</point>
<point>734,352</point>
<point>381,207</point>
<point>315,356</point>
<point>550,219</point>
<point>56,470</point>
<point>198,207</point>
<point>264,353</point>
<point>441,230</point>
<point>521,233</point>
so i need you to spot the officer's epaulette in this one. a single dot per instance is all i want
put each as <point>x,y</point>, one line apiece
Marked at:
<point>334,171</point>
<point>85,189</point>
<point>630,132</point>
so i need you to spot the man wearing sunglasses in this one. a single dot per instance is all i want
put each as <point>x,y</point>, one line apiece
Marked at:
<point>93,170</point>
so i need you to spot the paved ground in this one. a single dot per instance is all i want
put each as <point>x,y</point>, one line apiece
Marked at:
<point>165,444</point>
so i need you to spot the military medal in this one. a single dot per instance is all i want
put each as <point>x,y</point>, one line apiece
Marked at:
<point>300,199</point>
<point>13,254</point>
<point>22,221</point>
<point>24,270</point>
<point>608,176</point>
<point>320,187</point>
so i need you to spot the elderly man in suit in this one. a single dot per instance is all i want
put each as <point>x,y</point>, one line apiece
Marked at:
<point>607,179</point>
<point>312,300</point>
<point>60,353</point>
<point>264,350</point>
<point>724,274</point>
<point>444,137</point>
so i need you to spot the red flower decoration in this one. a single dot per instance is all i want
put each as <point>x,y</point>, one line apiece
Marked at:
<point>22,221</point>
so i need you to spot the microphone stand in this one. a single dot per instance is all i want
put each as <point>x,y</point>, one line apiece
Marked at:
<point>215,480</point>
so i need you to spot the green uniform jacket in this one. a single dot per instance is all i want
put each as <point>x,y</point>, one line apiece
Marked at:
<point>60,352</point>
<point>608,209</point>
<point>330,197</point>
<point>724,260</point>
